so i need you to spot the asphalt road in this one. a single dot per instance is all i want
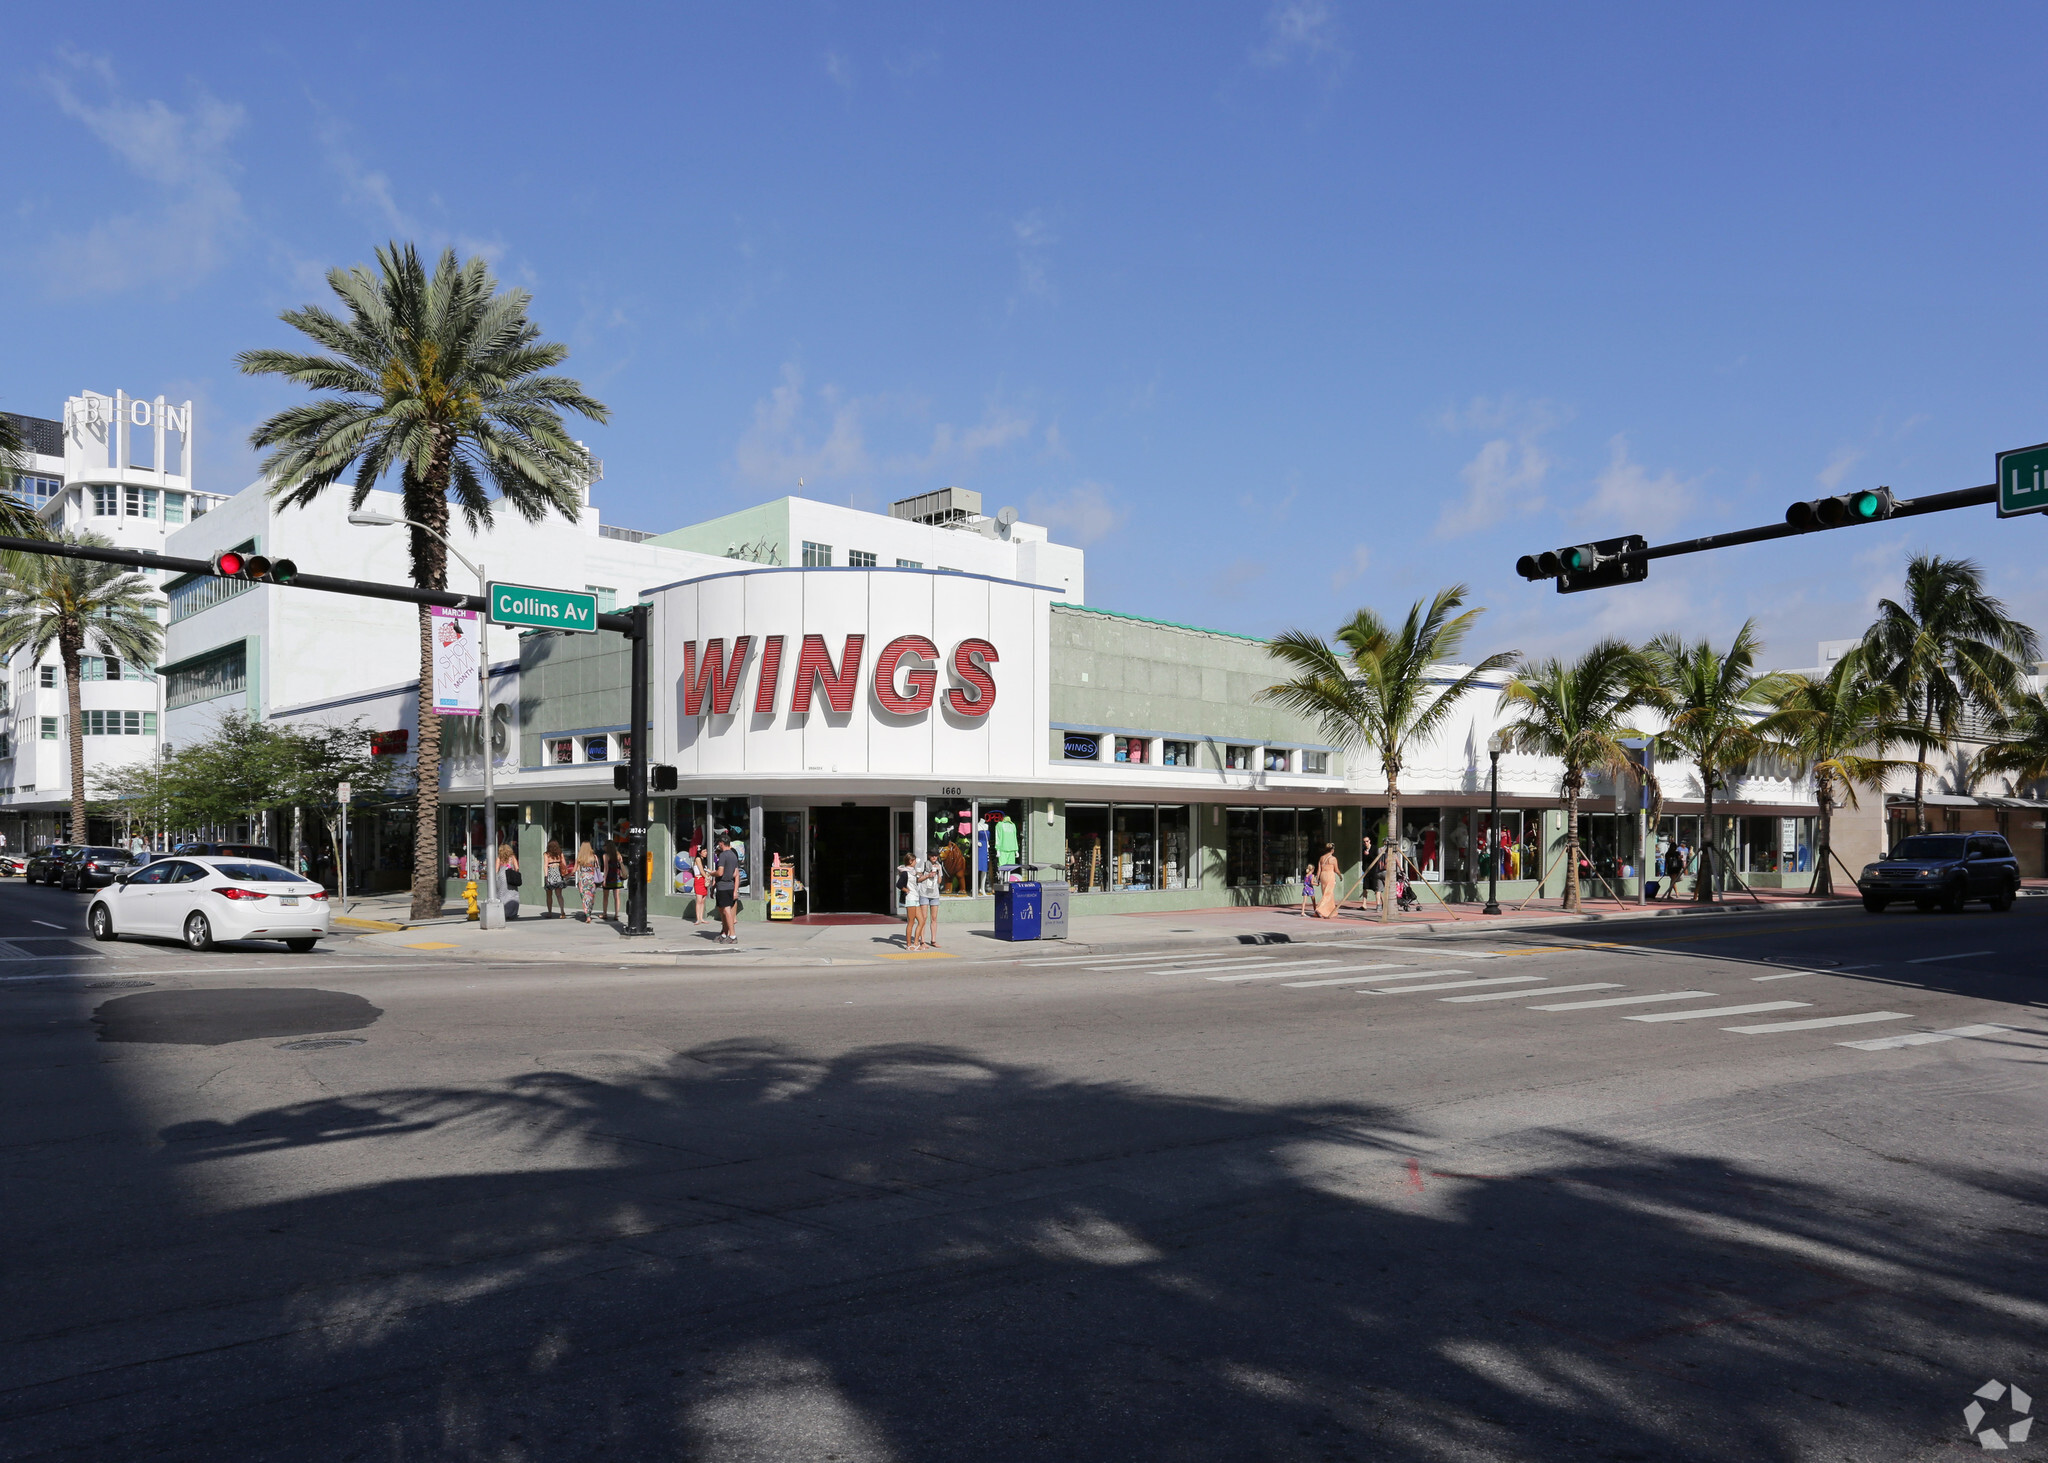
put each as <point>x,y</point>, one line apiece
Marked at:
<point>1755,1189</point>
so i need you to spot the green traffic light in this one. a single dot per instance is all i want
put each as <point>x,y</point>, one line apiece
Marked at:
<point>1864,505</point>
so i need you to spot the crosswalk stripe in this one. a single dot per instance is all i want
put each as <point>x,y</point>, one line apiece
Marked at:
<point>1153,959</point>
<point>1817,1022</point>
<point>1432,950</point>
<point>1623,1001</point>
<point>1371,979</point>
<point>1922,1038</point>
<point>1188,965</point>
<point>1750,1010</point>
<point>1549,990</point>
<point>1280,973</point>
<point>1455,985</point>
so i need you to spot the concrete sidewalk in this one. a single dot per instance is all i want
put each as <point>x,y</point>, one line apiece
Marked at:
<point>676,941</point>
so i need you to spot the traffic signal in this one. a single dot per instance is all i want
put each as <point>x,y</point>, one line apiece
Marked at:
<point>1596,565</point>
<point>228,565</point>
<point>622,777</point>
<point>233,564</point>
<point>662,777</point>
<point>1865,506</point>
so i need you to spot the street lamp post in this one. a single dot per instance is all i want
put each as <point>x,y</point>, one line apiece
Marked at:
<point>1495,745</point>
<point>492,916</point>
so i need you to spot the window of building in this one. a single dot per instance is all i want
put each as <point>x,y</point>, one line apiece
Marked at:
<point>1129,847</point>
<point>559,751</point>
<point>36,490</point>
<point>49,728</point>
<point>1132,749</point>
<point>138,502</point>
<point>909,564</point>
<point>106,501</point>
<point>1237,759</point>
<point>120,723</point>
<point>1279,759</point>
<point>597,748</point>
<point>1316,764</point>
<point>224,672</point>
<point>200,505</point>
<point>6,745</point>
<point>48,674</point>
<point>817,556</point>
<point>108,668</point>
<point>1177,754</point>
<point>859,559</point>
<point>607,599</point>
<point>174,507</point>
<point>947,569</point>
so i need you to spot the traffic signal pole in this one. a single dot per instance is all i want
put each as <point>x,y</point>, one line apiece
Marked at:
<point>636,786</point>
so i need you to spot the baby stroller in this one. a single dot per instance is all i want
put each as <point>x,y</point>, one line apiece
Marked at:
<point>1404,894</point>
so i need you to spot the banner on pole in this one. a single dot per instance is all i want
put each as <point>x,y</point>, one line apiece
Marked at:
<point>457,646</point>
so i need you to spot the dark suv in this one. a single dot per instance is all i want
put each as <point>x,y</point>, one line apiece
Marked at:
<point>93,868</point>
<point>1946,869</point>
<point>45,863</point>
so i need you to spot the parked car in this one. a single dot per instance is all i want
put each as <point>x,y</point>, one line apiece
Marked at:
<point>229,850</point>
<point>12,865</point>
<point>44,863</point>
<point>1948,869</point>
<point>90,867</point>
<point>202,900</point>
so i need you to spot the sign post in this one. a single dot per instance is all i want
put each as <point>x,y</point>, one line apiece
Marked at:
<point>2023,481</point>
<point>543,609</point>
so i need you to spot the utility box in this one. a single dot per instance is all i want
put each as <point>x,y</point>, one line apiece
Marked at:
<point>1053,896</point>
<point>1018,911</point>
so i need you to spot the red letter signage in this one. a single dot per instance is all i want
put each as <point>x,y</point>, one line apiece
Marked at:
<point>923,680</point>
<point>724,679</point>
<point>771,673</point>
<point>971,660</point>
<point>814,663</point>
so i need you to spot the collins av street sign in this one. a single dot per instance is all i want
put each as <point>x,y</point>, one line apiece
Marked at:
<point>543,609</point>
<point>2022,481</point>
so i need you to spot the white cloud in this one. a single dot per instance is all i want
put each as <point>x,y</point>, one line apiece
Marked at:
<point>840,69</point>
<point>775,451</point>
<point>1301,30</point>
<point>1352,568</point>
<point>183,159</point>
<point>1084,514</point>
<point>1626,499</point>
<point>1504,479</point>
<point>1830,477</point>
<point>371,192</point>
<point>1035,238</point>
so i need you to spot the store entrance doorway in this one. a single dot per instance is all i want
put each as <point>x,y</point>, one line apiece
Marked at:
<point>850,868</point>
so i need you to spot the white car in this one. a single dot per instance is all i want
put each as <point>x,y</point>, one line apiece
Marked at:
<point>201,900</point>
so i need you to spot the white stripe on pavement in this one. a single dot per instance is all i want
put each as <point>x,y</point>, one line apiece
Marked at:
<point>1279,973</point>
<point>1623,1001</point>
<point>1371,979</point>
<point>1549,990</point>
<point>1429,950</point>
<point>1818,1022</point>
<point>1922,1038</point>
<point>1959,955</point>
<point>1456,985</point>
<point>1750,1010</point>
<point>1234,963</point>
<point>1153,959</point>
<point>1788,975</point>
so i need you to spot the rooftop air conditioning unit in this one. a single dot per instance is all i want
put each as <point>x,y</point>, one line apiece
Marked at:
<point>947,505</point>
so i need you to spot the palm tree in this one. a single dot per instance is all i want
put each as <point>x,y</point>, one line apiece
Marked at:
<point>1378,688</point>
<point>73,603</point>
<point>442,380</point>
<point>2021,751</point>
<point>17,519</point>
<point>1840,725</point>
<point>1948,648</point>
<point>1711,701</point>
<point>1574,712</point>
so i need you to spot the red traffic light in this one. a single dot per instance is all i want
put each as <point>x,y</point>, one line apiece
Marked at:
<point>228,565</point>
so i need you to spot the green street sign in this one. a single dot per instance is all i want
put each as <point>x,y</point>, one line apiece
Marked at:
<point>543,609</point>
<point>2022,481</point>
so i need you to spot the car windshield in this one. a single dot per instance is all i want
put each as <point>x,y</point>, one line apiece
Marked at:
<point>259,873</point>
<point>1926,849</point>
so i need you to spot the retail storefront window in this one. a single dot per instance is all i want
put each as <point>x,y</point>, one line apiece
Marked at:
<point>597,749</point>
<point>698,823</point>
<point>1136,832</point>
<point>1177,754</point>
<point>1088,851</point>
<point>1315,764</point>
<point>1279,760</point>
<point>1130,847</point>
<point>1241,848</point>
<point>1777,845</point>
<point>1132,749</point>
<point>1500,849</point>
<point>1237,759</point>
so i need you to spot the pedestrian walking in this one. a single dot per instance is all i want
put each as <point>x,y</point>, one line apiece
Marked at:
<point>554,882</point>
<point>508,870</point>
<point>1326,879</point>
<point>614,878</point>
<point>726,889</point>
<point>1308,893</point>
<point>589,877</point>
<point>906,890</point>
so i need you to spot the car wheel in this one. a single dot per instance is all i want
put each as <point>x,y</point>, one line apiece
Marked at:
<point>100,922</point>
<point>2000,903</point>
<point>300,946</point>
<point>1952,897</point>
<point>198,931</point>
<point>1874,904</point>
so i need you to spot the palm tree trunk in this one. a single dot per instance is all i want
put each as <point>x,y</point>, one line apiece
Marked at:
<point>1571,841</point>
<point>427,502</point>
<point>1390,851</point>
<point>1920,772</point>
<point>68,645</point>
<point>1703,870</point>
<point>1824,795</point>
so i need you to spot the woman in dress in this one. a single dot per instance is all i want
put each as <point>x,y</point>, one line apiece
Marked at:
<point>1308,893</point>
<point>588,877</point>
<point>701,866</point>
<point>1326,877</point>
<point>554,882</point>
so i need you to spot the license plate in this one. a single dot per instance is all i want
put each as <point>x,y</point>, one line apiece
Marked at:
<point>289,899</point>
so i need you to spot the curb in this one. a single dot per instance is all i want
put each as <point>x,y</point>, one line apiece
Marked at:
<point>355,923</point>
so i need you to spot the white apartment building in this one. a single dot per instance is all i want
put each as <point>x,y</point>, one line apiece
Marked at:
<point>121,467</point>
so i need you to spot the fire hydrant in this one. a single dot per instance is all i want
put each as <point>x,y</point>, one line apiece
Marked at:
<point>469,893</point>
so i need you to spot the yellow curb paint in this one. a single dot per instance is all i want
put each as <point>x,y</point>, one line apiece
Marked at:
<point>433,945</point>
<point>366,924</point>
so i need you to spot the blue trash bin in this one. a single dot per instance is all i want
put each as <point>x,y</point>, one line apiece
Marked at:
<point>1019,910</point>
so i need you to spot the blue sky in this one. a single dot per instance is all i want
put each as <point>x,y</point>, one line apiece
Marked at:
<point>1279,309</point>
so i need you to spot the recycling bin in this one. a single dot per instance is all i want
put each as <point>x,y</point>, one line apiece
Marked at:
<point>1053,896</point>
<point>1018,911</point>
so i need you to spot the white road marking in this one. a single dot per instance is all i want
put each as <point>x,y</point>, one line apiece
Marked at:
<point>1922,1038</point>
<point>1155,958</point>
<point>1549,990</point>
<point>1623,1001</point>
<point>1959,955</point>
<point>45,924</point>
<point>1789,975</point>
<point>1427,950</point>
<point>1233,962</point>
<point>1456,985</point>
<point>1370,979</point>
<point>1749,1010</point>
<point>1817,1022</point>
<point>1278,974</point>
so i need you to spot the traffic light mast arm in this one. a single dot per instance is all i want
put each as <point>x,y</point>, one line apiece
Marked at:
<point>623,622</point>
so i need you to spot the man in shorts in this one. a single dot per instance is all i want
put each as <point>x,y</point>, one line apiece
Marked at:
<point>726,888</point>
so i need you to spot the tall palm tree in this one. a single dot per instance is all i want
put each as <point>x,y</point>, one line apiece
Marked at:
<point>2021,751</point>
<point>1950,647</point>
<point>441,379</point>
<point>17,519</point>
<point>1574,712</point>
<point>1712,700</point>
<point>73,604</point>
<point>1840,725</point>
<point>1378,687</point>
